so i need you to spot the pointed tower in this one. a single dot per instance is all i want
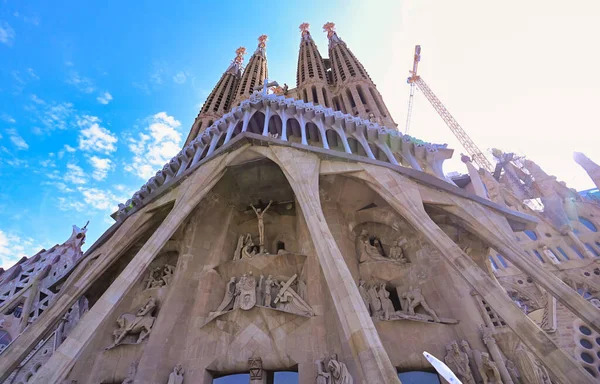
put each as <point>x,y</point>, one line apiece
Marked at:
<point>356,93</point>
<point>591,168</point>
<point>219,100</point>
<point>255,73</point>
<point>311,77</point>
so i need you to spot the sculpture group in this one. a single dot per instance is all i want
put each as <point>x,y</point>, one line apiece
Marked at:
<point>370,248</point>
<point>246,292</point>
<point>377,300</point>
<point>333,371</point>
<point>131,324</point>
<point>159,277</point>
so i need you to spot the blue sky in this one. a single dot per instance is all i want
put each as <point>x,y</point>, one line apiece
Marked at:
<point>94,98</point>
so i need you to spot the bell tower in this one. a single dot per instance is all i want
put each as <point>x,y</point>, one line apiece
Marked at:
<point>255,73</point>
<point>219,100</point>
<point>356,94</point>
<point>311,77</point>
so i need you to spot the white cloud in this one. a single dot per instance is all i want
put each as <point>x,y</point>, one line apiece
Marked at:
<point>59,185</point>
<point>83,84</point>
<point>7,118</point>
<point>16,139</point>
<point>65,204</point>
<point>32,74</point>
<point>48,163</point>
<point>75,174</point>
<point>93,137</point>
<point>155,146</point>
<point>180,78</point>
<point>14,247</point>
<point>68,148</point>
<point>37,100</point>
<point>7,34</point>
<point>105,98</point>
<point>99,199</point>
<point>101,167</point>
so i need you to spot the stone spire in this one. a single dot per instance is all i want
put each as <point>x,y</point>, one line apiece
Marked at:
<point>592,169</point>
<point>311,77</point>
<point>255,73</point>
<point>356,92</point>
<point>219,100</point>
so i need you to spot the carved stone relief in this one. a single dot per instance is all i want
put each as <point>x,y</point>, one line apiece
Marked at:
<point>458,362</point>
<point>370,248</point>
<point>245,293</point>
<point>176,377</point>
<point>381,307</point>
<point>333,371</point>
<point>159,277</point>
<point>132,324</point>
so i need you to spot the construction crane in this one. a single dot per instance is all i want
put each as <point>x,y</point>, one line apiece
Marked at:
<point>451,122</point>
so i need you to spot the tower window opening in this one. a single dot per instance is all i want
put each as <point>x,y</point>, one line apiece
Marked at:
<point>350,98</point>
<point>589,225</point>
<point>348,63</point>
<point>378,103</point>
<point>325,97</point>
<point>314,95</point>
<point>340,68</point>
<point>304,96</point>
<point>361,95</point>
<point>311,72</point>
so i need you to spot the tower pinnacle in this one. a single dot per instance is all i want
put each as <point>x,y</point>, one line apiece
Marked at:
<point>219,100</point>
<point>255,72</point>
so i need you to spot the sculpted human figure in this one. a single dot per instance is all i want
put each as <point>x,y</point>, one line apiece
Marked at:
<point>397,252</point>
<point>323,377</point>
<point>260,291</point>
<point>130,374</point>
<point>267,291</point>
<point>531,370</point>
<point>260,215</point>
<point>167,273</point>
<point>489,370</point>
<point>363,293</point>
<point>227,302</point>
<point>366,251</point>
<point>339,371</point>
<point>176,377</point>
<point>458,362</point>
<point>415,298</point>
<point>139,323</point>
<point>238,291</point>
<point>386,304</point>
<point>374,301</point>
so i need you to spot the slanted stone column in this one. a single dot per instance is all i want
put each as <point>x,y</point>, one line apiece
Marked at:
<point>404,196</point>
<point>591,168</point>
<point>189,196</point>
<point>490,342</point>
<point>302,171</point>
<point>478,185</point>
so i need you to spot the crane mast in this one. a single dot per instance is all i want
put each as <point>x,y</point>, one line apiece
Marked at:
<point>450,121</point>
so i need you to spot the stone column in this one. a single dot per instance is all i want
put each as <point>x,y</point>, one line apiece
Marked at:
<point>478,185</point>
<point>490,342</point>
<point>189,196</point>
<point>591,168</point>
<point>582,248</point>
<point>403,195</point>
<point>76,285</point>
<point>257,373</point>
<point>302,171</point>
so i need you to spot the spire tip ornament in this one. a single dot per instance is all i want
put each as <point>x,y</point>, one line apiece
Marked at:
<point>239,55</point>
<point>329,27</point>
<point>262,41</point>
<point>304,28</point>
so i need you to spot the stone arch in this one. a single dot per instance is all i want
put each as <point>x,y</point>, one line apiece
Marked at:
<point>238,129</point>
<point>356,147</point>
<point>313,135</point>
<point>334,140</point>
<point>221,140</point>
<point>276,125</point>
<point>256,123</point>
<point>293,130</point>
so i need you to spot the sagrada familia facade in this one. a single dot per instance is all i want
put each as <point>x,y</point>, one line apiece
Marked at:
<point>299,234</point>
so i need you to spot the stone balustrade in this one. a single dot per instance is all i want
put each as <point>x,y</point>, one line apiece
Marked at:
<point>374,141</point>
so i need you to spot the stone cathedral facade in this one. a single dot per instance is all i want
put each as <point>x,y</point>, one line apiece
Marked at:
<point>299,234</point>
